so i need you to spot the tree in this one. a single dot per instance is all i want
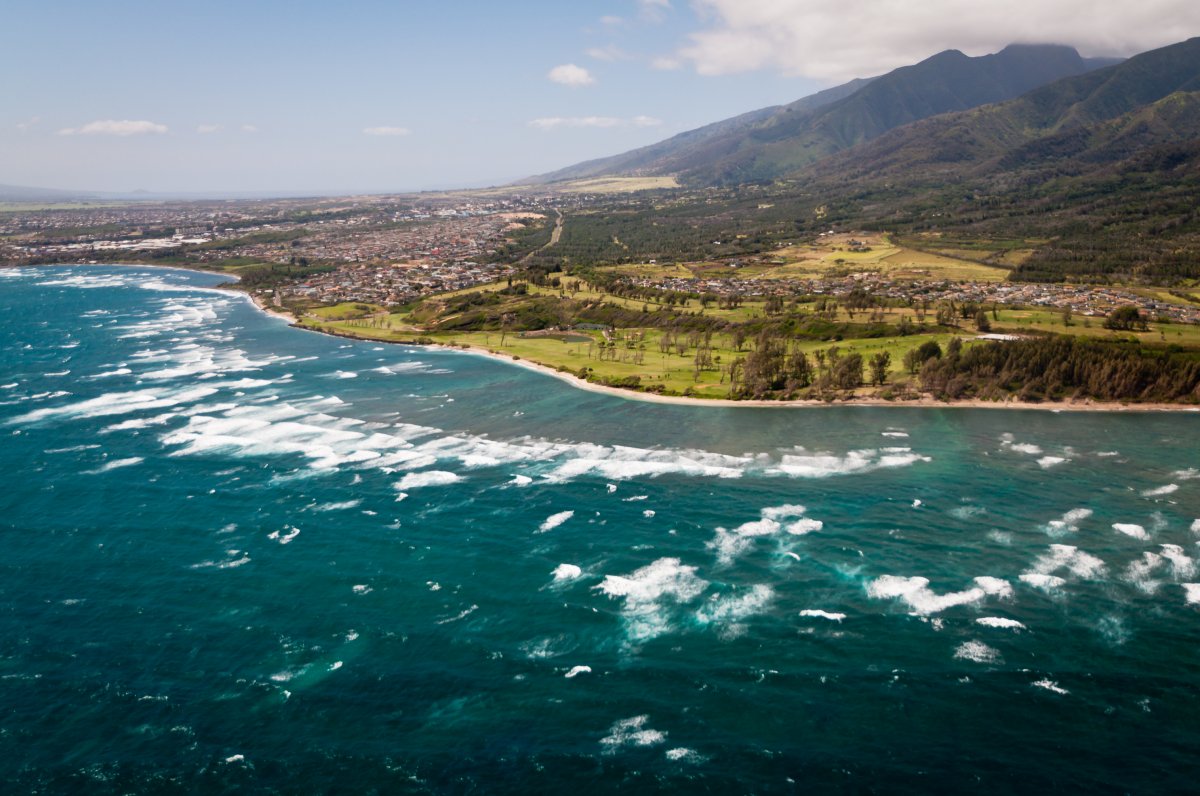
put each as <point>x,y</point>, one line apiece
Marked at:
<point>918,356</point>
<point>982,323</point>
<point>879,367</point>
<point>1125,318</point>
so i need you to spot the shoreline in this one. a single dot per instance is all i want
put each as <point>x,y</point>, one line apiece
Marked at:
<point>924,402</point>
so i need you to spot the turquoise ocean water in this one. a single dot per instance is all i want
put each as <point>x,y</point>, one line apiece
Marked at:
<point>238,555</point>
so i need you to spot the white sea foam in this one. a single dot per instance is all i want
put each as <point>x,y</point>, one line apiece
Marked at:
<point>1046,462</point>
<point>895,433</point>
<point>1182,565</point>
<point>427,478</point>
<point>1160,491</point>
<point>1061,556</point>
<point>1189,474</point>
<point>631,732</point>
<point>999,622</point>
<point>115,464</point>
<point>650,592</point>
<point>521,480</point>
<point>1051,686</point>
<point>804,526</point>
<point>783,512</point>
<point>577,670</point>
<point>337,506</point>
<point>1026,448</point>
<point>823,465</point>
<point>923,601</point>
<point>1129,529</point>
<point>681,754</point>
<point>1139,572</point>
<point>566,572</point>
<point>728,611</point>
<point>976,652</point>
<point>362,588</point>
<point>1192,592</point>
<point>1044,582</point>
<point>1069,522</point>
<point>817,613</point>
<point>285,536</point>
<point>555,520</point>
<point>116,404</point>
<point>648,513</point>
<point>1195,526</point>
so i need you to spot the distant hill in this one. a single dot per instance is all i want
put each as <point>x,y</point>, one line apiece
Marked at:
<point>21,193</point>
<point>767,143</point>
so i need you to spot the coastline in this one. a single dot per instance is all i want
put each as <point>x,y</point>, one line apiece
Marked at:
<point>923,402</point>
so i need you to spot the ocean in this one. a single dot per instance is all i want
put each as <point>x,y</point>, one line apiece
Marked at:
<point>242,556</point>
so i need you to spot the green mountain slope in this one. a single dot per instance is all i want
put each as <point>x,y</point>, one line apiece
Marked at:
<point>765,144</point>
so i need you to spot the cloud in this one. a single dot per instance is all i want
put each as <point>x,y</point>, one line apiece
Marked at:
<point>571,75</point>
<point>666,63</point>
<point>114,127</point>
<point>858,38</point>
<point>611,21</point>
<point>30,122</point>
<point>610,52</point>
<point>386,130</point>
<point>205,129</point>
<point>555,122</point>
<point>653,10</point>
<point>249,128</point>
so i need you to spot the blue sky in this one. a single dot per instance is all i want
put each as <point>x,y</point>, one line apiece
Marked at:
<point>365,95</point>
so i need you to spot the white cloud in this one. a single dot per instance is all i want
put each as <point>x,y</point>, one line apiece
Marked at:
<point>249,128</point>
<point>666,63</point>
<point>571,75</point>
<point>654,10</point>
<point>610,52</point>
<point>114,127</point>
<point>611,21</point>
<point>386,130</point>
<point>555,122</point>
<point>858,38</point>
<point>30,122</point>
<point>206,129</point>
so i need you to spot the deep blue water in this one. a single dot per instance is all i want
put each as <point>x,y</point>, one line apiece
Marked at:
<point>240,555</point>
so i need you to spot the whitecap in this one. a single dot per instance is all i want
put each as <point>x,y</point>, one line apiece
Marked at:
<point>648,513</point>
<point>566,572</point>
<point>976,652</point>
<point>555,520</point>
<point>1046,462</point>
<point>649,592</point>
<point>116,464</point>
<point>427,478</point>
<point>1182,565</point>
<point>521,480</point>
<point>1160,491</point>
<point>728,610</point>
<point>1051,686</point>
<point>1061,556</point>
<point>1129,529</point>
<point>783,512</point>
<point>804,526</point>
<point>575,671</point>
<point>916,593</point>
<point>999,622</point>
<point>1192,592</point>
<point>817,613</point>
<point>631,732</point>
<point>1044,582</point>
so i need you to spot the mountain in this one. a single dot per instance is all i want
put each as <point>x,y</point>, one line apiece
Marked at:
<point>1103,116</point>
<point>646,159</point>
<point>21,193</point>
<point>767,143</point>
